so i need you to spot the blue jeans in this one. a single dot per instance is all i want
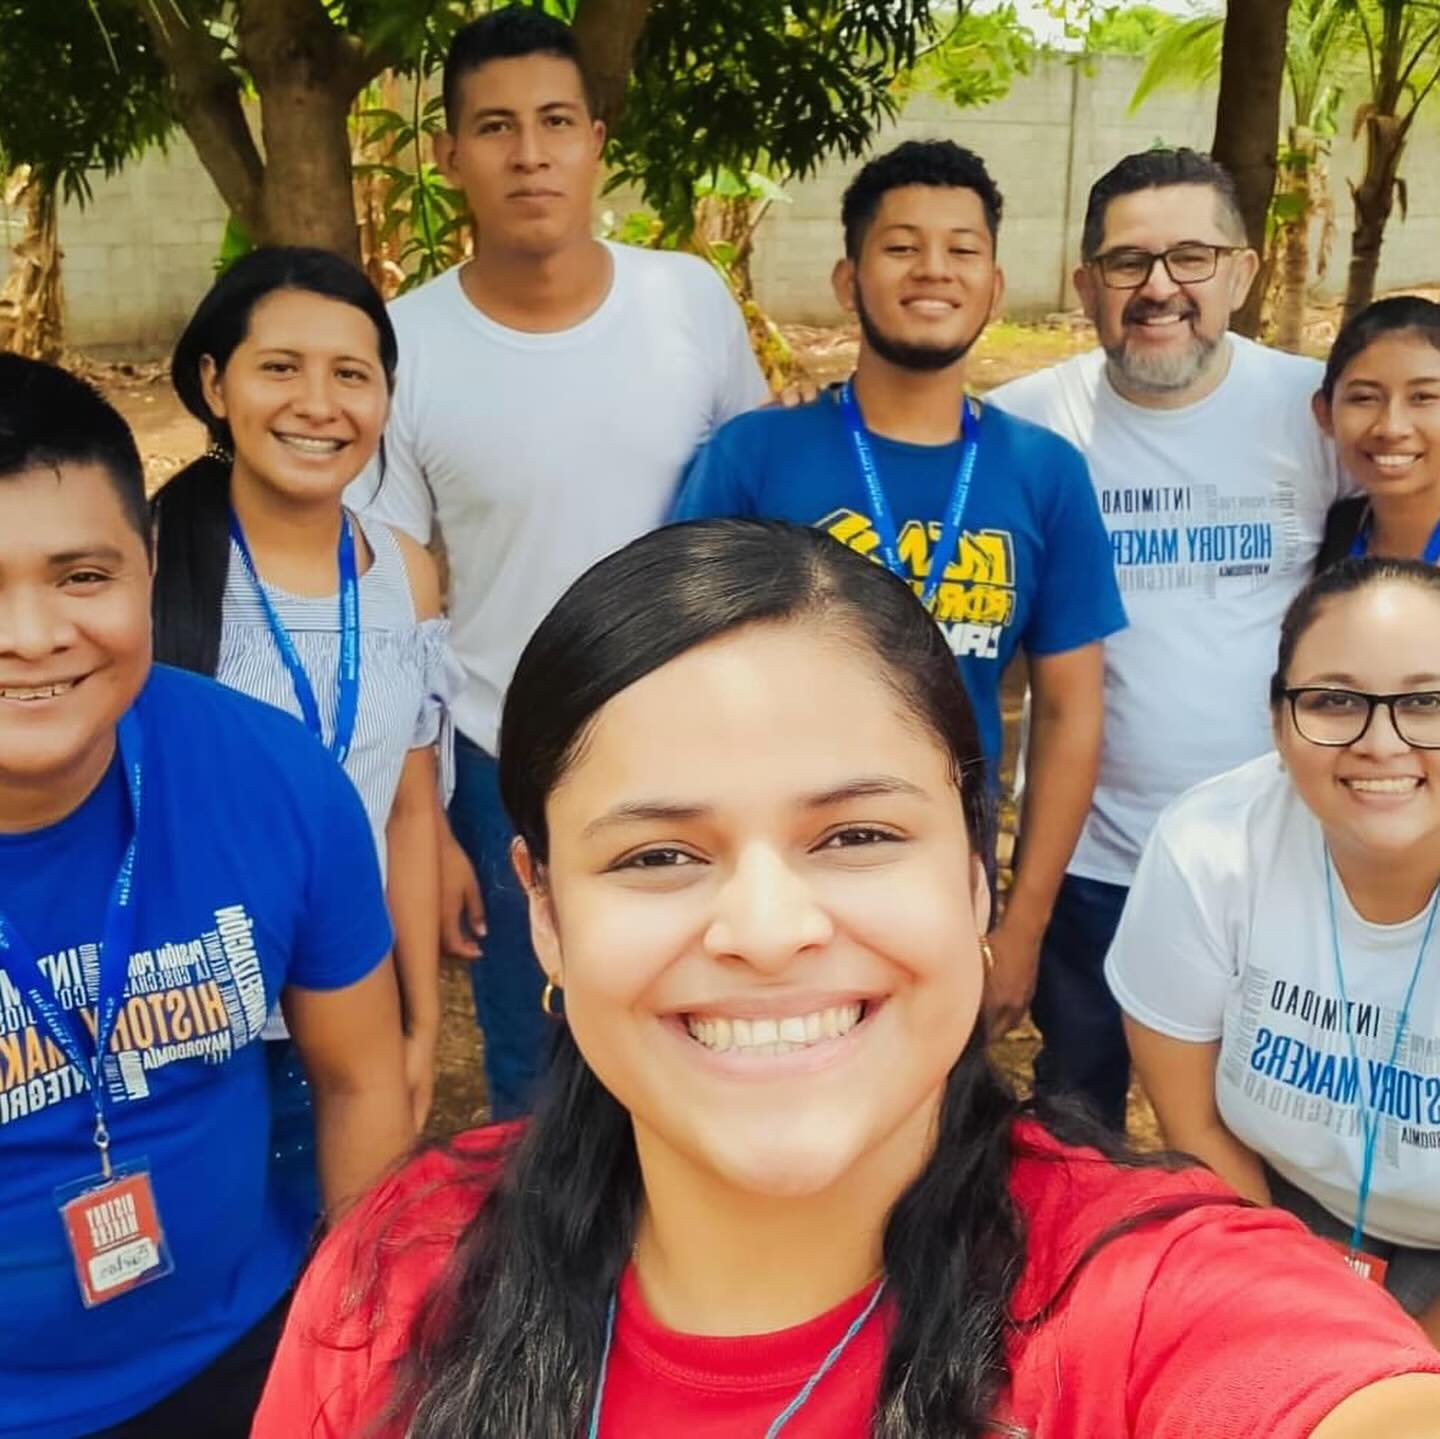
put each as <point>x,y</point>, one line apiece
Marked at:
<point>507,979</point>
<point>1083,1053</point>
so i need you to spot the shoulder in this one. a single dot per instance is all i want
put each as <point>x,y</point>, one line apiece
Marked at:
<point>1297,373</point>
<point>1033,443</point>
<point>422,573</point>
<point>208,735</point>
<point>1032,395</point>
<point>380,1263</point>
<point>420,305</point>
<point>679,278</point>
<point>1231,819</point>
<point>777,428</point>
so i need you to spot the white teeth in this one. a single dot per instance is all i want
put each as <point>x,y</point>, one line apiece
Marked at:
<point>36,692</point>
<point>310,445</point>
<point>1393,462</point>
<point>1402,784</point>
<point>766,1037</point>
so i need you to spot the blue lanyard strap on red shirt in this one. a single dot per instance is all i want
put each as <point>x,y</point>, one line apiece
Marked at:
<point>947,546</point>
<point>112,969</point>
<point>348,668</point>
<point>1360,545</point>
<point>1369,1108</point>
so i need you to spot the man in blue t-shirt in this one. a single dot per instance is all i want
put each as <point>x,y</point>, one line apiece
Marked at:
<point>992,520</point>
<point>173,858</point>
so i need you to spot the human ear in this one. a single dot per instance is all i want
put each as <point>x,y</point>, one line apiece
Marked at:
<point>544,932</point>
<point>1324,413</point>
<point>1247,266</point>
<point>842,281</point>
<point>210,386</point>
<point>980,898</point>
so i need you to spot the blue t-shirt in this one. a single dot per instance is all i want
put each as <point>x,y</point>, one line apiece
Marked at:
<point>1032,566</point>
<point>255,869</point>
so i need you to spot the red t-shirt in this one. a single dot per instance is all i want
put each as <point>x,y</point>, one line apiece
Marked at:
<point>1222,1322</point>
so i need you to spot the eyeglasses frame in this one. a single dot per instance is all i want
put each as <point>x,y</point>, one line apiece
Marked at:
<point>1291,694</point>
<point>1163,257</point>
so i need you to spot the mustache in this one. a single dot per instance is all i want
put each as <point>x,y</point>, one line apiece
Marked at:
<point>1140,310</point>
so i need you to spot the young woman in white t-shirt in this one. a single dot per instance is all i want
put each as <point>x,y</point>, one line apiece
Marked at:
<point>1277,960</point>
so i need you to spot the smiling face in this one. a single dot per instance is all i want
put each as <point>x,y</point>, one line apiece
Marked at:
<point>304,395</point>
<point>925,283</point>
<point>74,625</point>
<point>1384,416</point>
<point>1377,798</point>
<point>526,152</point>
<point>1162,338</point>
<point>762,906</point>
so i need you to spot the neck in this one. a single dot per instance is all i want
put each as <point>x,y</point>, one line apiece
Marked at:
<point>288,538</point>
<point>1401,525</point>
<point>1384,889</point>
<point>715,1260</point>
<point>918,406</point>
<point>29,804</point>
<point>1205,383</point>
<point>538,293</point>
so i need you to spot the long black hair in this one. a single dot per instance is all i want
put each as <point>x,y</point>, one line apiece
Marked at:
<point>1396,314</point>
<point>509,1343</point>
<point>191,514</point>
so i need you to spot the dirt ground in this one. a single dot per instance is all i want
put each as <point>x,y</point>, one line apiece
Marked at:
<point>169,438</point>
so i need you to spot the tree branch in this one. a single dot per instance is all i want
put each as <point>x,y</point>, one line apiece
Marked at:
<point>207,96</point>
<point>607,32</point>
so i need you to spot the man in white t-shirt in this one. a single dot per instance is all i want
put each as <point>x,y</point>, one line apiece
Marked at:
<point>1213,482</point>
<point>550,392</point>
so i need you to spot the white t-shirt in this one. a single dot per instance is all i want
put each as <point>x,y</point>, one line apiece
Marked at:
<point>1226,935</point>
<point>537,454</point>
<point>1215,513</point>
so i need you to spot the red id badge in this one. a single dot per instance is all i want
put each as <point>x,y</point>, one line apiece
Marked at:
<point>115,1235</point>
<point>1367,1266</point>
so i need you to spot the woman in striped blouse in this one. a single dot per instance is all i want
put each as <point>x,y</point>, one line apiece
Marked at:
<point>289,363</point>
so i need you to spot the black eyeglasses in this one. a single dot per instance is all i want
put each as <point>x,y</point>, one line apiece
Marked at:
<point>1186,264</point>
<point>1341,717</point>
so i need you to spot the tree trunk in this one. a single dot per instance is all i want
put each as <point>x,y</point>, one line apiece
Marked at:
<point>607,32</point>
<point>1295,242</point>
<point>1247,118</point>
<point>31,302</point>
<point>1374,198</point>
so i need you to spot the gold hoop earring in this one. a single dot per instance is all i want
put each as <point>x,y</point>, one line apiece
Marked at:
<point>547,1000</point>
<point>987,954</point>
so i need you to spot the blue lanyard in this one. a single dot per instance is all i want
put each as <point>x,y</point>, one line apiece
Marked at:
<point>1360,545</point>
<point>946,548</point>
<point>1369,1110</point>
<point>113,967</point>
<point>348,669</point>
<point>788,1412</point>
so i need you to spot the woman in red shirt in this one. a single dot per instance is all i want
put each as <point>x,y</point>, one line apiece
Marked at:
<point>774,1185</point>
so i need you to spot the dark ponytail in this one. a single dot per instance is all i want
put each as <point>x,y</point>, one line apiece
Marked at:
<point>191,513</point>
<point>510,1341</point>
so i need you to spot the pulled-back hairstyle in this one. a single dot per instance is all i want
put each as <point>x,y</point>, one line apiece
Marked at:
<point>192,511</point>
<point>1396,314</point>
<point>940,164</point>
<point>509,1343</point>
<point>1345,577</point>
<point>1158,169</point>
<point>49,418</point>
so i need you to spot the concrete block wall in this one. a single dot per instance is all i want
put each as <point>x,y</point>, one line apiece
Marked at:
<point>139,256</point>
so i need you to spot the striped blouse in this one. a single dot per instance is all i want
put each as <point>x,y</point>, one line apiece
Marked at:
<point>406,672</point>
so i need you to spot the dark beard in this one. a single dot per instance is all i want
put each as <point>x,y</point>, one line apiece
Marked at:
<point>925,358</point>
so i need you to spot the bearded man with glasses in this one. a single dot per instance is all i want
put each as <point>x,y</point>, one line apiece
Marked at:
<point>1213,482</point>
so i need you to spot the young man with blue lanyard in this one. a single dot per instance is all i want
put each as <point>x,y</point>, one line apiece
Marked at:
<point>991,519</point>
<point>174,857</point>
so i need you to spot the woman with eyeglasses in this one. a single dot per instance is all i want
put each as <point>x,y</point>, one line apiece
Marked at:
<point>773,1186</point>
<point>1278,960</point>
<point>1380,402</point>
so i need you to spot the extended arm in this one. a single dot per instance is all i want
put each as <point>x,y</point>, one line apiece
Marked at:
<point>1179,1077</point>
<point>412,841</point>
<point>1064,758</point>
<point>1406,1407</point>
<point>350,1044</point>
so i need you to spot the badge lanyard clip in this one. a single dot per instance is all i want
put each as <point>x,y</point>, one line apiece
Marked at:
<point>947,547</point>
<point>348,669</point>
